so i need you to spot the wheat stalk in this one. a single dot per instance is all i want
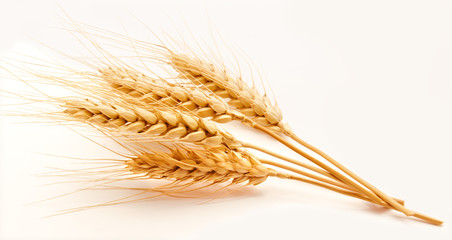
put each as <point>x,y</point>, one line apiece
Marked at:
<point>181,111</point>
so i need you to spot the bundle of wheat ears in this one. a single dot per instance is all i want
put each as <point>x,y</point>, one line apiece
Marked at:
<point>169,120</point>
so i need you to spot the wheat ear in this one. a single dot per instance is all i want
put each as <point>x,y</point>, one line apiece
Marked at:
<point>140,89</point>
<point>240,97</point>
<point>200,165</point>
<point>148,123</point>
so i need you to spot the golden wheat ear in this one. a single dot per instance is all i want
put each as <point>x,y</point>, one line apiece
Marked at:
<point>148,123</point>
<point>139,89</point>
<point>200,165</point>
<point>234,90</point>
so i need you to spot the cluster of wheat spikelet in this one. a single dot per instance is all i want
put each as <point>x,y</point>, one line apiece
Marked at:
<point>182,111</point>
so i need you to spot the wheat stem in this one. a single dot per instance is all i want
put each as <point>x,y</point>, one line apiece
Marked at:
<point>307,174</point>
<point>390,201</point>
<point>312,159</point>
<point>382,195</point>
<point>319,178</point>
<point>372,195</point>
<point>329,187</point>
<point>355,195</point>
<point>301,164</point>
<point>282,157</point>
<point>424,217</point>
<point>428,219</point>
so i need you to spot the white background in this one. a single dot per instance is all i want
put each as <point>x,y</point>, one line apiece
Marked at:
<point>369,82</point>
